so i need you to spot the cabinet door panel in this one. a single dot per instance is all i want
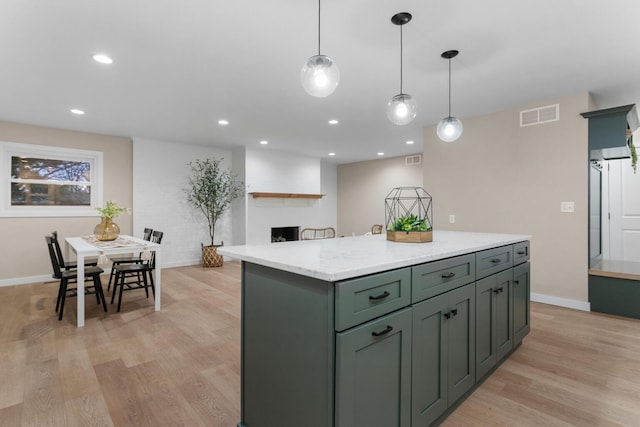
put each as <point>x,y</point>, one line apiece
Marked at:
<point>434,278</point>
<point>373,373</point>
<point>521,298</point>
<point>461,335</point>
<point>504,313</point>
<point>429,361</point>
<point>485,326</point>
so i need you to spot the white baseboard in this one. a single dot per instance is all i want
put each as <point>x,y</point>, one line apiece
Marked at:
<point>561,302</point>
<point>26,280</point>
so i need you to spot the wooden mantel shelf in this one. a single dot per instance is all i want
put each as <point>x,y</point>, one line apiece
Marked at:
<point>288,195</point>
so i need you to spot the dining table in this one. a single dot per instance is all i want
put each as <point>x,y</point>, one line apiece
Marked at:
<point>89,246</point>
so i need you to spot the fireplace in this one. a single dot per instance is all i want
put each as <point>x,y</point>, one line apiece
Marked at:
<point>284,234</point>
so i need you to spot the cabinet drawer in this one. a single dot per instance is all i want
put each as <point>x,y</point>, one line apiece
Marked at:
<point>366,298</point>
<point>436,277</point>
<point>520,253</point>
<point>492,261</point>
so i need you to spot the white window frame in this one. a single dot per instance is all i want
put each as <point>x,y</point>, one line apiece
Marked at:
<point>13,149</point>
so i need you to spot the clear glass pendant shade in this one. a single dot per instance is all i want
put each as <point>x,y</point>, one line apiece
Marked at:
<point>320,76</point>
<point>401,109</point>
<point>449,129</point>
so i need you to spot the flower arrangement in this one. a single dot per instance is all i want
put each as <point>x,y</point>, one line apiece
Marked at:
<point>111,210</point>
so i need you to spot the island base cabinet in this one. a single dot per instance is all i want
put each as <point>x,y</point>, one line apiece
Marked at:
<point>373,373</point>
<point>494,320</point>
<point>521,302</point>
<point>443,353</point>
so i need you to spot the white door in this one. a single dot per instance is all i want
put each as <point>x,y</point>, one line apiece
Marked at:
<point>624,211</point>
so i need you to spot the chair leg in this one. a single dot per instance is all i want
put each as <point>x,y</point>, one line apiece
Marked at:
<point>112,276</point>
<point>95,286</point>
<point>153,288</point>
<point>63,286</point>
<point>115,286</point>
<point>144,281</point>
<point>59,296</point>
<point>121,290</point>
<point>98,285</point>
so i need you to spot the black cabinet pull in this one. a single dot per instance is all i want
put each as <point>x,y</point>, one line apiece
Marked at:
<point>447,315</point>
<point>495,260</point>
<point>516,281</point>
<point>448,275</point>
<point>383,332</point>
<point>496,291</point>
<point>454,311</point>
<point>522,252</point>
<point>379,297</point>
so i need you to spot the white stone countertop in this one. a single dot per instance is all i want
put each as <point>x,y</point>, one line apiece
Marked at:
<point>347,257</point>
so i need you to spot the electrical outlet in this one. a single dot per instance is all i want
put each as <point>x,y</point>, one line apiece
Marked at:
<point>567,207</point>
<point>452,219</point>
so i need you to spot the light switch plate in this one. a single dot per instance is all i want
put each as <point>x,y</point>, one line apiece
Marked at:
<point>452,219</point>
<point>567,207</point>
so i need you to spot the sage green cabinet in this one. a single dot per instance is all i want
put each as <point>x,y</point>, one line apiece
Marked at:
<point>443,354</point>
<point>521,302</point>
<point>492,261</point>
<point>437,277</point>
<point>373,373</point>
<point>494,320</point>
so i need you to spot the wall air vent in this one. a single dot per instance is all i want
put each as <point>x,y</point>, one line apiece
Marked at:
<point>413,160</point>
<point>537,116</point>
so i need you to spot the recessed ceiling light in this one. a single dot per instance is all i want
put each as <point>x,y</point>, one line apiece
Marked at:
<point>410,142</point>
<point>333,122</point>
<point>263,142</point>
<point>77,112</point>
<point>223,122</point>
<point>102,58</point>
<point>381,154</point>
<point>332,154</point>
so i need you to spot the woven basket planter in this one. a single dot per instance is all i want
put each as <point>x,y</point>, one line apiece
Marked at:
<point>211,257</point>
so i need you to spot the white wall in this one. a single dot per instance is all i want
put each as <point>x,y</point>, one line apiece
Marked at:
<point>279,172</point>
<point>363,188</point>
<point>500,177</point>
<point>160,173</point>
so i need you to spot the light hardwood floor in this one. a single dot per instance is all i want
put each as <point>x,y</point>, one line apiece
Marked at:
<point>181,366</point>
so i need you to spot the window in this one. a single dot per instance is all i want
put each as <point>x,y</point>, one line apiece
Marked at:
<point>41,181</point>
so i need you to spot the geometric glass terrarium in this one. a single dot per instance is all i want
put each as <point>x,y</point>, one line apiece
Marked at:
<point>409,215</point>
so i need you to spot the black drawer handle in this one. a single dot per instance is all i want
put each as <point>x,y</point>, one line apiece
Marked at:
<point>498,290</point>
<point>522,252</point>
<point>516,281</point>
<point>379,297</point>
<point>496,260</point>
<point>383,332</point>
<point>454,311</point>
<point>448,275</point>
<point>447,315</point>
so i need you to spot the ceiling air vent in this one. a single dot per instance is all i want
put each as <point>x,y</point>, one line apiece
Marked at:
<point>413,160</point>
<point>536,116</point>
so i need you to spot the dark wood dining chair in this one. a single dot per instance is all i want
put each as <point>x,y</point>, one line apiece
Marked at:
<point>139,275</point>
<point>68,265</point>
<point>127,259</point>
<point>70,276</point>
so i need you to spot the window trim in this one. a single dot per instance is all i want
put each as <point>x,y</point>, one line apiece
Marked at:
<point>12,149</point>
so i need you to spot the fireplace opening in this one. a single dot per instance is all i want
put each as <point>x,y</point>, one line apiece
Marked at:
<point>284,234</point>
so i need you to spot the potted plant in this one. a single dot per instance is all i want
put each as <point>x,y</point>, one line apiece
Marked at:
<point>211,189</point>
<point>409,215</point>
<point>107,229</point>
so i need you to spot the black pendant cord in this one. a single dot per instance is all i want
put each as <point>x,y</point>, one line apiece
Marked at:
<point>318,27</point>
<point>400,59</point>
<point>449,88</point>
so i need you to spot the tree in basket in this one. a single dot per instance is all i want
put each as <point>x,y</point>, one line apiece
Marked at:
<point>212,189</point>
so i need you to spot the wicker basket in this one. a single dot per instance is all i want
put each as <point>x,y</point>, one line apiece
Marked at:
<point>211,257</point>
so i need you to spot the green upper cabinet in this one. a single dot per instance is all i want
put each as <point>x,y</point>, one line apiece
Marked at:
<point>608,137</point>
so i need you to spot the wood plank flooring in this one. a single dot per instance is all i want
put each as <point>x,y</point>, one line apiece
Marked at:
<point>181,366</point>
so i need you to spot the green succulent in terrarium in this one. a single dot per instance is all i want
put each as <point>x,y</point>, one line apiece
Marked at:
<point>409,223</point>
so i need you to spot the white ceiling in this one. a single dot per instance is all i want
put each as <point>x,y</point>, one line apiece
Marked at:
<point>179,66</point>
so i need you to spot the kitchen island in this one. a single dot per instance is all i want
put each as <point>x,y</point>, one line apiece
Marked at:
<point>361,331</point>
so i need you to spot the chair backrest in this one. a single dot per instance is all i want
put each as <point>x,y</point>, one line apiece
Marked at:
<point>55,264</point>
<point>156,237</point>
<point>376,229</point>
<point>147,234</point>
<point>56,245</point>
<point>317,233</point>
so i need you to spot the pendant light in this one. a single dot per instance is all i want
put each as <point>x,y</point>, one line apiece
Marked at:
<point>402,108</point>
<point>320,75</point>
<point>449,128</point>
